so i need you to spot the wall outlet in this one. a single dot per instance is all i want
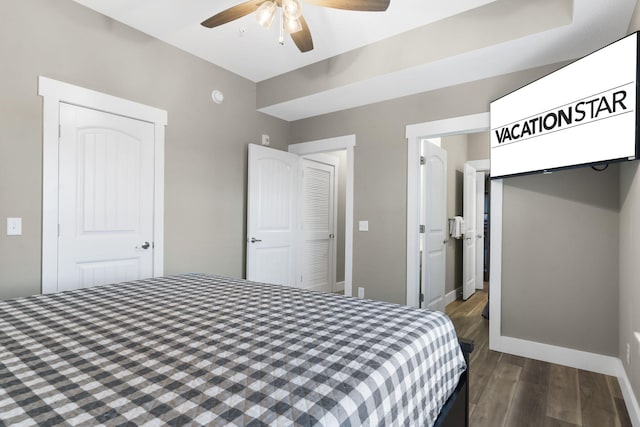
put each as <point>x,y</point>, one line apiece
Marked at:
<point>265,139</point>
<point>14,226</point>
<point>360,292</point>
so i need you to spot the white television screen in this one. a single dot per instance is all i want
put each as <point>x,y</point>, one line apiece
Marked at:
<point>581,114</point>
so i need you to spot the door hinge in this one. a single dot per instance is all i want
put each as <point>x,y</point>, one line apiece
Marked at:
<point>59,131</point>
<point>421,297</point>
<point>423,228</point>
<point>423,161</point>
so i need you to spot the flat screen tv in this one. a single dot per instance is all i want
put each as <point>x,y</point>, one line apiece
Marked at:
<point>582,114</point>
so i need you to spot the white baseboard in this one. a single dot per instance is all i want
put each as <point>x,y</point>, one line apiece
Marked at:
<point>339,287</point>
<point>607,365</point>
<point>630,399</point>
<point>450,297</point>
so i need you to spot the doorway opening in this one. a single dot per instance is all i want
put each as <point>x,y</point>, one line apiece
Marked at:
<point>415,135</point>
<point>344,145</point>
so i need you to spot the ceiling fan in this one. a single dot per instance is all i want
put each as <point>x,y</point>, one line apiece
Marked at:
<point>291,19</point>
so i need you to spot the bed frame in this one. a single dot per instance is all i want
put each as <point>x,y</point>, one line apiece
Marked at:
<point>455,412</point>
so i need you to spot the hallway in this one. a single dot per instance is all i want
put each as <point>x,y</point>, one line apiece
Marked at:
<point>514,391</point>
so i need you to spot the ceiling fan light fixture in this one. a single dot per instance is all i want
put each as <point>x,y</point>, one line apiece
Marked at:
<point>292,25</point>
<point>292,9</point>
<point>265,13</point>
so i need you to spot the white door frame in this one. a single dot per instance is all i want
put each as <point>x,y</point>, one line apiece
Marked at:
<point>347,142</point>
<point>414,134</point>
<point>333,243</point>
<point>54,92</point>
<point>483,167</point>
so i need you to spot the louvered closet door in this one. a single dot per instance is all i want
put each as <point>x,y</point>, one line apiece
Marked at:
<point>318,226</point>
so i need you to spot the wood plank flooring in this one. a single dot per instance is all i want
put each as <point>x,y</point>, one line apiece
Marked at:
<point>514,391</point>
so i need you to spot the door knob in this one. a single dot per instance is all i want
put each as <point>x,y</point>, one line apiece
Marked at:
<point>254,240</point>
<point>145,245</point>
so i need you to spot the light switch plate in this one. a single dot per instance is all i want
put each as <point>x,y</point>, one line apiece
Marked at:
<point>363,226</point>
<point>14,226</point>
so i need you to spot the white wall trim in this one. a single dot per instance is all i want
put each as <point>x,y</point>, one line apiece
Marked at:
<point>339,287</point>
<point>630,399</point>
<point>54,92</point>
<point>450,297</point>
<point>481,165</point>
<point>415,133</point>
<point>347,142</point>
<point>607,365</point>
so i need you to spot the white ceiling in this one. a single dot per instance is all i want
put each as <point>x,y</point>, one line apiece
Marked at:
<point>246,49</point>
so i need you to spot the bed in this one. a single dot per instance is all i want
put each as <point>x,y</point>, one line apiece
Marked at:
<point>197,349</point>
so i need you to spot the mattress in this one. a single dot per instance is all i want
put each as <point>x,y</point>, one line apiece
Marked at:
<point>198,349</point>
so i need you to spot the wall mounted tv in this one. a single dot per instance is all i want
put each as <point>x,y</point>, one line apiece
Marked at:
<point>582,114</point>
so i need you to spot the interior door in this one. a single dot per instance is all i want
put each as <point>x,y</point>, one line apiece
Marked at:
<point>479,230</point>
<point>106,187</point>
<point>271,215</point>
<point>318,226</point>
<point>435,219</point>
<point>469,245</point>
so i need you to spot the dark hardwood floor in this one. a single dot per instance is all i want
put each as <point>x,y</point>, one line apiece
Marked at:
<point>511,391</point>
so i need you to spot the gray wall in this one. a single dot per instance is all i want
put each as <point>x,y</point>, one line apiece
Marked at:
<point>479,147</point>
<point>629,256</point>
<point>629,321</point>
<point>560,259</point>
<point>456,147</point>
<point>206,144</point>
<point>379,263</point>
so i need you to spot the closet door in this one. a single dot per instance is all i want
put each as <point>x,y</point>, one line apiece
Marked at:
<point>318,223</point>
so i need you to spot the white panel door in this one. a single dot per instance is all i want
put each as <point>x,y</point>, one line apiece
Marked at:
<point>469,245</point>
<point>435,220</point>
<point>106,187</point>
<point>479,230</point>
<point>318,223</point>
<point>271,216</point>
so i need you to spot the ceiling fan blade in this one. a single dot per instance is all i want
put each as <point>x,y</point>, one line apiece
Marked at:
<point>232,13</point>
<point>359,5</point>
<point>302,38</point>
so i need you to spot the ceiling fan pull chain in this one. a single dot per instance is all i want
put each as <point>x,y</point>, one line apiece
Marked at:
<point>281,37</point>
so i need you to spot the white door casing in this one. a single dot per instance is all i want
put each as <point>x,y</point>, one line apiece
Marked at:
<point>54,93</point>
<point>105,198</point>
<point>469,243</point>
<point>479,230</point>
<point>435,221</point>
<point>318,225</point>
<point>347,143</point>
<point>272,215</point>
<point>415,133</point>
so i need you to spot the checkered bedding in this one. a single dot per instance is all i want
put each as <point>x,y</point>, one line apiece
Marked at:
<point>205,350</point>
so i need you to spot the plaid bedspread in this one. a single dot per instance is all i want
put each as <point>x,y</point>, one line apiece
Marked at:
<point>204,350</point>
